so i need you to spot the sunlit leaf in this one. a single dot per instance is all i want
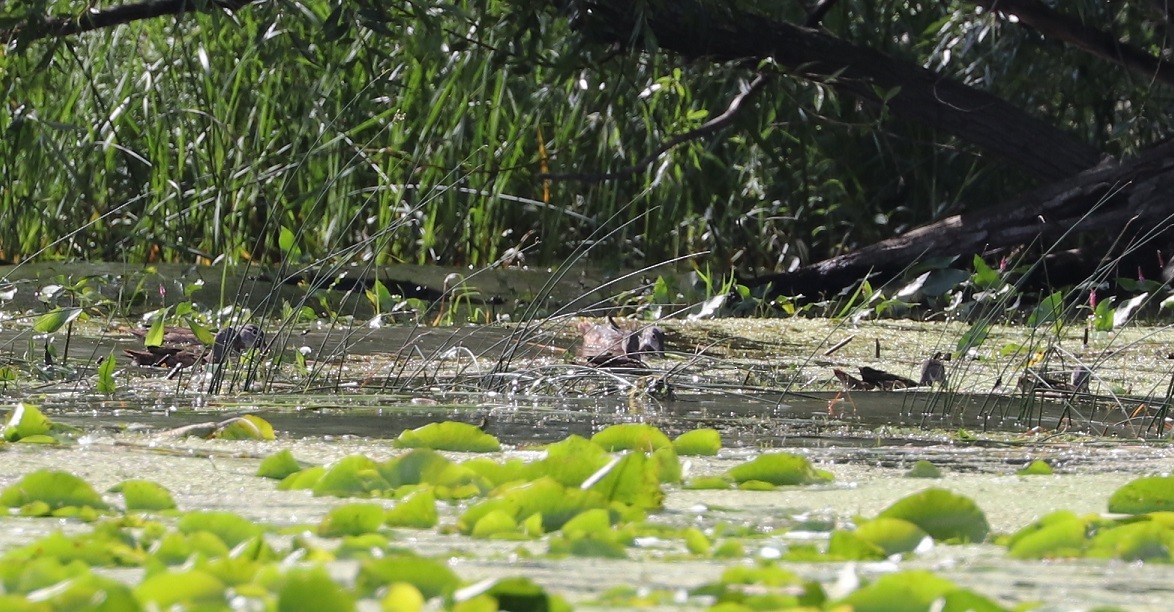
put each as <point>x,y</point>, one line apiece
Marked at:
<point>1149,494</point>
<point>778,469</point>
<point>942,514</point>
<point>144,495</point>
<point>55,489</point>
<point>631,436</point>
<point>705,442</point>
<point>56,319</point>
<point>451,436</point>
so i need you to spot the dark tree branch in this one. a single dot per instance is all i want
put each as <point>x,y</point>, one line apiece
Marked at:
<point>909,91</point>
<point>1099,43</point>
<point>1105,200</point>
<point>816,14</point>
<point>710,127</point>
<point>114,16</point>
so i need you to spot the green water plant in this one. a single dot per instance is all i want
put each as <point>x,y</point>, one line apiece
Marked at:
<point>942,514</point>
<point>771,470</point>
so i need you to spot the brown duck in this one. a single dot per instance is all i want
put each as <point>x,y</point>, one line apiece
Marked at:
<point>189,350</point>
<point>610,346</point>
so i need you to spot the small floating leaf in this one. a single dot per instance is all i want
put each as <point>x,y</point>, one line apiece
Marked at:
<point>778,469</point>
<point>53,488</point>
<point>431,577</point>
<point>1136,541</point>
<point>232,529</point>
<point>26,420</point>
<point>942,514</point>
<point>696,542</point>
<point>402,597</point>
<point>144,495</point>
<point>571,461</point>
<point>352,475</point>
<point>631,436</point>
<point>923,469</point>
<point>633,480</point>
<point>55,319</point>
<point>848,545</point>
<point>1150,494</point>
<point>167,589</point>
<point>450,436</point>
<point>312,589</point>
<point>247,427</point>
<point>351,519</point>
<point>278,465</point>
<point>1036,468</point>
<point>914,590</point>
<point>891,535</point>
<point>704,442</point>
<point>1059,534</point>
<point>417,510</point>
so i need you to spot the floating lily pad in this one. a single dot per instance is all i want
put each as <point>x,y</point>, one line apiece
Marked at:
<point>351,519</point>
<point>891,535</point>
<point>916,590</point>
<point>144,495</point>
<point>432,578</point>
<point>278,465</point>
<point>232,529</point>
<point>1150,494</point>
<point>923,469</point>
<point>187,588</point>
<point>1036,468</point>
<point>633,479</point>
<point>942,514</point>
<point>24,421</point>
<point>848,545</point>
<point>511,594</point>
<point>1142,540</point>
<point>703,442</point>
<point>54,489</point>
<point>778,469</point>
<point>571,461</point>
<point>1059,534</point>
<point>351,476</point>
<point>631,436</point>
<point>555,503</point>
<point>247,427</point>
<point>312,589</point>
<point>418,510</point>
<point>450,436</point>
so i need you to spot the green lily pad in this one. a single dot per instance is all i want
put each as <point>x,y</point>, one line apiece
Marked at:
<point>351,519</point>
<point>1142,540</point>
<point>778,469</point>
<point>55,489</point>
<point>914,590</point>
<point>432,578</point>
<point>418,511</point>
<point>848,545</point>
<point>511,594</point>
<point>144,495</point>
<point>942,514</point>
<point>703,442</point>
<point>631,436</point>
<point>891,535</point>
<point>25,420</point>
<point>570,461</point>
<point>1036,468</point>
<point>450,436</point>
<point>312,589</point>
<point>188,588</point>
<point>1057,535</point>
<point>247,427</point>
<point>278,465</point>
<point>923,469</point>
<point>633,479</point>
<point>1150,494</point>
<point>232,529</point>
<point>351,476</point>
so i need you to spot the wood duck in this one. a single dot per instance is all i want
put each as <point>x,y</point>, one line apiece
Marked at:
<point>610,346</point>
<point>185,349</point>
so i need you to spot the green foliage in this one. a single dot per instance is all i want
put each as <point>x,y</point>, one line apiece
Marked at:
<point>50,491</point>
<point>1149,494</point>
<point>449,435</point>
<point>942,514</point>
<point>777,469</point>
<point>144,495</point>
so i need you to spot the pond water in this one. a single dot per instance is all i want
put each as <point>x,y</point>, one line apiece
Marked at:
<point>761,384</point>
